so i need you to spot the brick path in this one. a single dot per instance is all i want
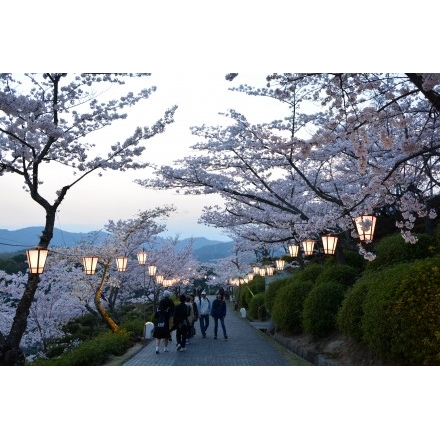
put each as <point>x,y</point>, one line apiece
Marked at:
<point>245,346</point>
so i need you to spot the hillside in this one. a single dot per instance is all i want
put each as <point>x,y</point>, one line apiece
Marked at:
<point>204,249</point>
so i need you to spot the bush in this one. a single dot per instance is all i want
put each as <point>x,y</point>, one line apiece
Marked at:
<point>320,308</point>
<point>288,305</point>
<point>377,323</point>
<point>350,314</point>
<point>354,259</point>
<point>272,291</point>
<point>309,273</point>
<point>342,274</point>
<point>93,352</point>
<point>257,307</point>
<point>392,250</point>
<point>257,285</point>
<point>416,315</point>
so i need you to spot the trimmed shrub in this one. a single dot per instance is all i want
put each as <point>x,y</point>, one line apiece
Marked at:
<point>288,305</point>
<point>345,275</point>
<point>416,315</point>
<point>320,308</point>
<point>350,314</point>
<point>93,352</point>
<point>377,323</point>
<point>354,259</point>
<point>257,285</point>
<point>257,307</point>
<point>309,273</point>
<point>273,289</point>
<point>393,250</point>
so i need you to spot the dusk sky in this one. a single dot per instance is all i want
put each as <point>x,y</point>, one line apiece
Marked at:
<point>114,196</point>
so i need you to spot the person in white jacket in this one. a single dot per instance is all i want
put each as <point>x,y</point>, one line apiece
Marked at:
<point>204,306</point>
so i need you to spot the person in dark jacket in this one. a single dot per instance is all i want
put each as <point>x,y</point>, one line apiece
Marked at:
<point>181,323</point>
<point>218,312</point>
<point>170,304</point>
<point>162,325</point>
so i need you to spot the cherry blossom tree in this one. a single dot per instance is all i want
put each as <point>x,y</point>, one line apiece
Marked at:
<point>45,120</point>
<point>350,144</point>
<point>66,292</point>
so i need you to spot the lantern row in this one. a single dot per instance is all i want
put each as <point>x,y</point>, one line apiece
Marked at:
<point>36,259</point>
<point>365,225</point>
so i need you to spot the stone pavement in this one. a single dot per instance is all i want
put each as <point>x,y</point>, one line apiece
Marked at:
<point>245,346</point>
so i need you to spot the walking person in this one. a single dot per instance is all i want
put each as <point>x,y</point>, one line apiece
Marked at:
<point>190,319</point>
<point>204,306</point>
<point>195,313</point>
<point>181,323</point>
<point>162,325</point>
<point>218,312</point>
<point>170,304</point>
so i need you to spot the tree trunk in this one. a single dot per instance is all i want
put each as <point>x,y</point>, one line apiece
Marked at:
<point>10,352</point>
<point>100,308</point>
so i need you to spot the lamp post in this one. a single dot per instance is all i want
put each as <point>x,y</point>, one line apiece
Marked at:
<point>280,264</point>
<point>152,270</point>
<point>308,246</point>
<point>121,263</point>
<point>159,279</point>
<point>293,250</point>
<point>329,243</point>
<point>142,260</point>
<point>365,225</point>
<point>36,259</point>
<point>142,257</point>
<point>90,265</point>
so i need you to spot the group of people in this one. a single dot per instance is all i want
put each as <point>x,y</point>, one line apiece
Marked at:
<point>182,317</point>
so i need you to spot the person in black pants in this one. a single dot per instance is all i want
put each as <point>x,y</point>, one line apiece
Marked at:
<point>181,323</point>
<point>218,312</point>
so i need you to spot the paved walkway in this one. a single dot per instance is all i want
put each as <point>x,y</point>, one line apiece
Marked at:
<point>245,346</point>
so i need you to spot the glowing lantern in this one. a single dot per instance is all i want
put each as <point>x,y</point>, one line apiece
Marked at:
<point>36,259</point>
<point>293,250</point>
<point>308,246</point>
<point>365,225</point>
<point>329,243</point>
<point>90,265</point>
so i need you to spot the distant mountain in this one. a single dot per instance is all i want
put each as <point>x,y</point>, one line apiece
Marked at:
<point>26,238</point>
<point>198,242</point>
<point>12,241</point>
<point>213,251</point>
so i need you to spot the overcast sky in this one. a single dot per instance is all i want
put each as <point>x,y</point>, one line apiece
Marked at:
<point>114,196</point>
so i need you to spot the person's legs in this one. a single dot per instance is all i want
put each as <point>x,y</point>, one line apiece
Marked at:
<point>157,345</point>
<point>206,323</point>
<point>179,334</point>
<point>165,341</point>
<point>183,341</point>
<point>202,325</point>
<point>215,327</point>
<point>222,322</point>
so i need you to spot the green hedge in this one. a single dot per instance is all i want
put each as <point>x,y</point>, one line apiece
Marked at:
<point>350,314</point>
<point>409,332</point>
<point>272,291</point>
<point>393,249</point>
<point>320,308</point>
<point>257,307</point>
<point>288,305</point>
<point>343,274</point>
<point>92,352</point>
